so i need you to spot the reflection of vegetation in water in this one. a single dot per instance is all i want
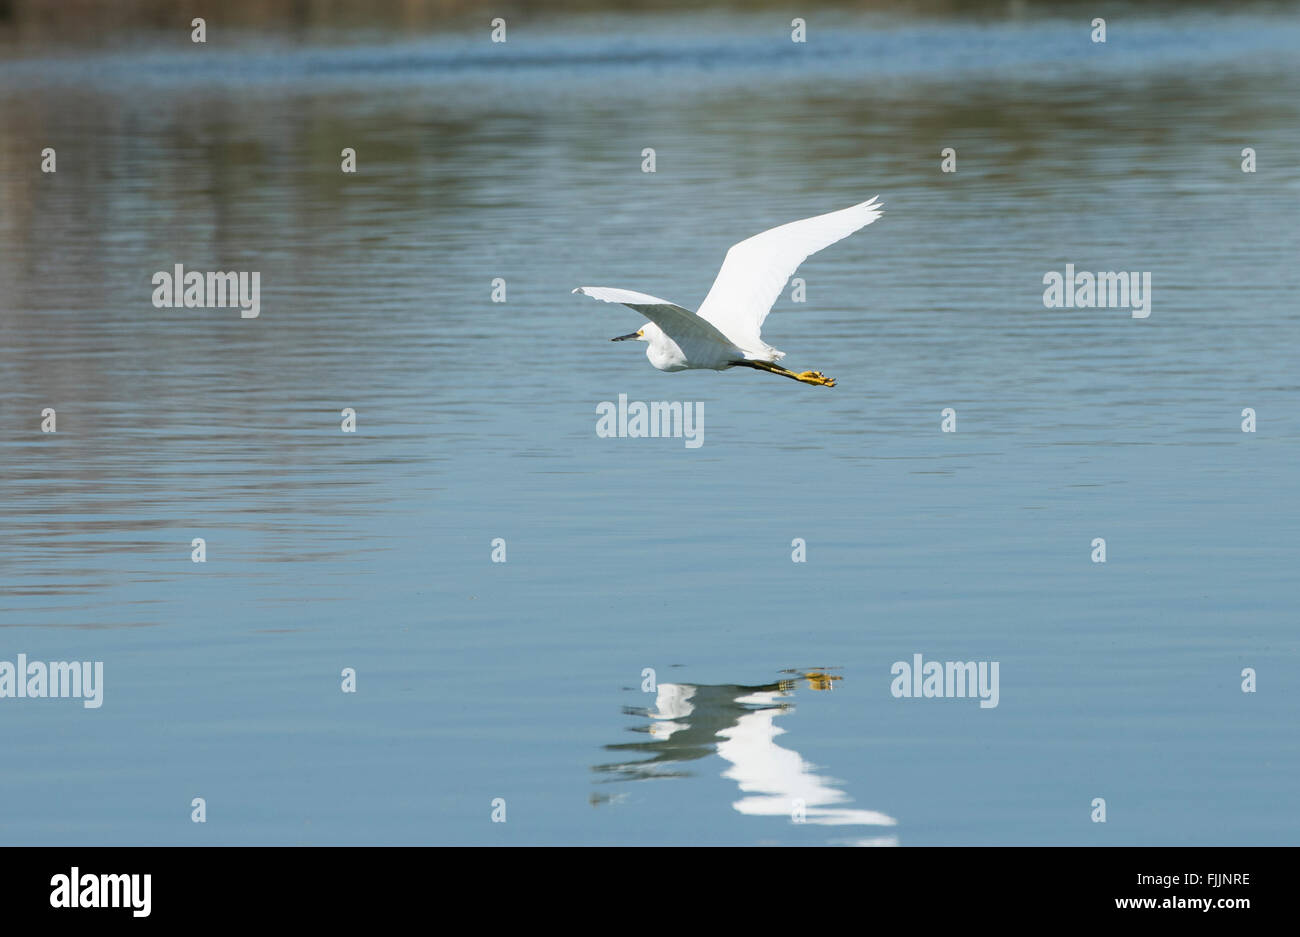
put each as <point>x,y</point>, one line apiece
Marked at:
<point>91,21</point>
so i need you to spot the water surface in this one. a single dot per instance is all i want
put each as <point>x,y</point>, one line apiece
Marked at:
<point>476,420</point>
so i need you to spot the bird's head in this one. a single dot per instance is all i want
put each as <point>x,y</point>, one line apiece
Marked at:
<point>643,334</point>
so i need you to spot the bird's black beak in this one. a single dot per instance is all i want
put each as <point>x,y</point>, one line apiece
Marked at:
<point>628,337</point>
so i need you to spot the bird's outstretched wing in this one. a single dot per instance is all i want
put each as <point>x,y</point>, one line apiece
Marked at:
<point>678,323</point>
<point>756,270</point>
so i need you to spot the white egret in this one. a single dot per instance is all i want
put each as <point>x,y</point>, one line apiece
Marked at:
<point>725,332</point>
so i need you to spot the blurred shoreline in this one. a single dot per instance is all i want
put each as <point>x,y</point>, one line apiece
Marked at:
<point>104,23</point>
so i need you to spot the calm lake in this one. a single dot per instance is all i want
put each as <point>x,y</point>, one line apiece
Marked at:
<point>650,665</point>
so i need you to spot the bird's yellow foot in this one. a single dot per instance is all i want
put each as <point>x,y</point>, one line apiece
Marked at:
<point>816,377</point>
<point>821,681</point>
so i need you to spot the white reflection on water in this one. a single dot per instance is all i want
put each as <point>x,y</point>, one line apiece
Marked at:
<point>739,724</point>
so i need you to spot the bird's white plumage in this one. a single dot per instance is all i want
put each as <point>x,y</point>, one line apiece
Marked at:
<point>756,270</point>
<point>729,324</point>
<point>672,318</point>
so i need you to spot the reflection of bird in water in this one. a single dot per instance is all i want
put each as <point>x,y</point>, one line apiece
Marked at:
<point>689,722</point>
<point>817,680</point>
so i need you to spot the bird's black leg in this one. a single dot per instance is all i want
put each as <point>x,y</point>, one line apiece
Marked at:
<point>805,377</point>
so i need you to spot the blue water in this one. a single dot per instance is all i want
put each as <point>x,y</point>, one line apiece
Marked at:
<point>524,680</point>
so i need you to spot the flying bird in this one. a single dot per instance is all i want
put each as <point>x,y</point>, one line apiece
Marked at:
<point>725,333</point>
